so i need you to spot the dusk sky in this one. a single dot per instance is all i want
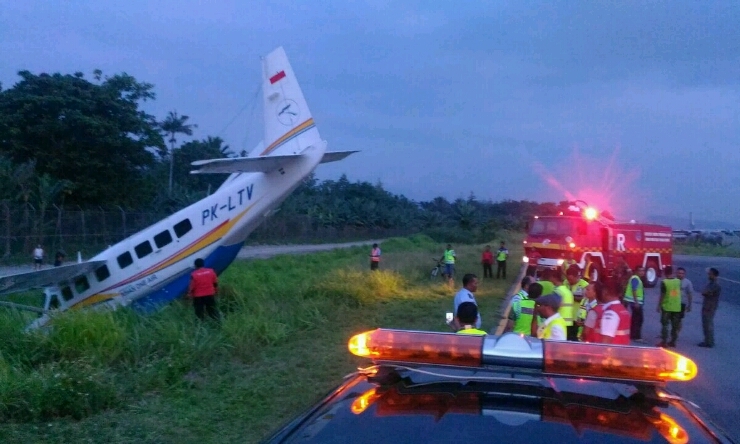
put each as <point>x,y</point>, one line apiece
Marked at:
<point>632,106</point>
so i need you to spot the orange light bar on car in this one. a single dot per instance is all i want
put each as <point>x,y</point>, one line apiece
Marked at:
<point>617,362</point>
<point>418,347</point>
<point>555,358</point>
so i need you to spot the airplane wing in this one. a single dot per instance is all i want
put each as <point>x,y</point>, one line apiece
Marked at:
<point>336,155</point>
<point>243,164</point>
<point>257,164</point>
<point>15,283</point>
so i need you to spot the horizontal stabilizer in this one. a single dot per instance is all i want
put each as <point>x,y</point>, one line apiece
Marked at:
<point>29,280</point>
<point>335,156</point>
<point>243,164</point>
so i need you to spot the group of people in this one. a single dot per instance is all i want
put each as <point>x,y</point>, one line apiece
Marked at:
<point>563,305</point>
<point>39,254</point>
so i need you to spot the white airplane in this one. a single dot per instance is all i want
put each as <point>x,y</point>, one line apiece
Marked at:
<point>152,267</point>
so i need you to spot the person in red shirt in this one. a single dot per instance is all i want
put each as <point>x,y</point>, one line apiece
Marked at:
<point>202,289</point>
<point>487,261</point>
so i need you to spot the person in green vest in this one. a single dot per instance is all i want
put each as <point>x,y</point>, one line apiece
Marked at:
<point>576,284</point>
<point>448,258</point>
<point>669,307</point>
<point>587,304</point>
<point>523,316</point>
<point>546,281</point>
<point>501,254</point>
<point>634,300</point>
<point>566,309</point>
<point>467,315</point>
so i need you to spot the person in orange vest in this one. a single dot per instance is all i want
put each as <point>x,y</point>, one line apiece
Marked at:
<point>487,261</point>
<point>609,322</point>
<point>202,289</point>
<point>375,257</point>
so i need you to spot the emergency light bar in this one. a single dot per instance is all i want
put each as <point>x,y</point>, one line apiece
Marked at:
<point>553,358</point>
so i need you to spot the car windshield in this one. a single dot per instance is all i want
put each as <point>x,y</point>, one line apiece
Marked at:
<point>556,226</point>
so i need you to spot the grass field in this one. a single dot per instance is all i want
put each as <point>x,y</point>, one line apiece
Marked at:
<point>120,377</point>
<point>706,250</point>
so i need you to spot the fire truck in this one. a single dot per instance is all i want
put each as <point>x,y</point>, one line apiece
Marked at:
<point>584,234</point>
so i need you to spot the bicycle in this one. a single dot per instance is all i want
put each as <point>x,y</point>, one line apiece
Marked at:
<point>439,268</point>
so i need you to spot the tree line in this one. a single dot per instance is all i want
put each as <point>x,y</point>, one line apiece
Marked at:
<point>69,141</point>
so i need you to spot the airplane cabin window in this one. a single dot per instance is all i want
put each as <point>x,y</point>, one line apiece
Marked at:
<point>182,227</point>
<point>67,294</point>
<point>102,273</point>
<point>125,260</point>
<point>162,239</point>
<point>81,284</point>
<point>143,249</point>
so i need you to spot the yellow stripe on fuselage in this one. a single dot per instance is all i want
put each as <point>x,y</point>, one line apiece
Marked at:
<point>303,126</point>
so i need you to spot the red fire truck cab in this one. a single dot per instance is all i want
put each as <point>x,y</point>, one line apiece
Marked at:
<point>582,234</point>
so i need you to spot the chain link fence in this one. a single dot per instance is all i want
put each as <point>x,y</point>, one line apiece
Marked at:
<point>91,230</point>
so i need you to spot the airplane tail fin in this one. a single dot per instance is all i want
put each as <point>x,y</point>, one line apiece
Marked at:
<point>288,126</point>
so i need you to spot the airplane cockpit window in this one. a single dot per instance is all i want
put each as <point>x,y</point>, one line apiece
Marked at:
<point>81,284</point>
<point>67,294</point>
<point>125,260</point>
<point>102,273</point>
<point>143,249</point>
<point>162,239</point>
<point>182,227</point>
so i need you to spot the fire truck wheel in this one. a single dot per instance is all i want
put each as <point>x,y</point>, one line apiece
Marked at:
<point>651,274</point>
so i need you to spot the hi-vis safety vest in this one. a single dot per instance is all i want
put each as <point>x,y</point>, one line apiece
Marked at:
<point>566,304</point>
<point>501,255</point>
<point>622,335</point>
<point>546,331</point>
<point>449,256</point>
<point>523,323</point>
<point>471,331</point>
<point>672,299</point>
<point>640,291</point>
<point>579,290</point>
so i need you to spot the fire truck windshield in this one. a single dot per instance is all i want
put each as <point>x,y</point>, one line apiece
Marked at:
<point>558,226</point>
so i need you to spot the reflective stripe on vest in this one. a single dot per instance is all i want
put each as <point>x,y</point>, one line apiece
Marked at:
<point>622,335</point>
<point>566,304</point>
<point>501,255</point>
<point>672,299</point>
<point>449,256</point>
<point>523,324</point>
<point>640,291</point>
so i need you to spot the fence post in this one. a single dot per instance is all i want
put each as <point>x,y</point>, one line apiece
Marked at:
<point>84,230</point>
<point>6,209</point>
<point>123,218</point>
<point>104,232</point>
<point>58,230</point>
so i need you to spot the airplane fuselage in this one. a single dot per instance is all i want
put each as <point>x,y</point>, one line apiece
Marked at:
<point>152,267</point>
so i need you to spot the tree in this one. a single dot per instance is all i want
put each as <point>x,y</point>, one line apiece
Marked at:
<point>172,126</point>
<point>209,148</point>
<point>93,135</point>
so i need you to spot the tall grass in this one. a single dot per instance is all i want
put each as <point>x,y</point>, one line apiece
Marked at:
<point>706,250</point>
<point>122,377</point>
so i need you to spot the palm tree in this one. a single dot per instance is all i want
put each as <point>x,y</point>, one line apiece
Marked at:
<point>172,126</point>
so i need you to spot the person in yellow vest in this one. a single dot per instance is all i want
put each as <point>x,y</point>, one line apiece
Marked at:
<point>467,314</point>
<point>634,300</point>
<point>448,258</point>
<point>669,307</point>
<point>522,307</point>
<point>553,327</point>
<point>546,281</point>
<point>566,305</point>
<point>576,284</point>
<point>588,268</point>
<point>567,263</point>
<point>587,304</point>
<point>501,254</point>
